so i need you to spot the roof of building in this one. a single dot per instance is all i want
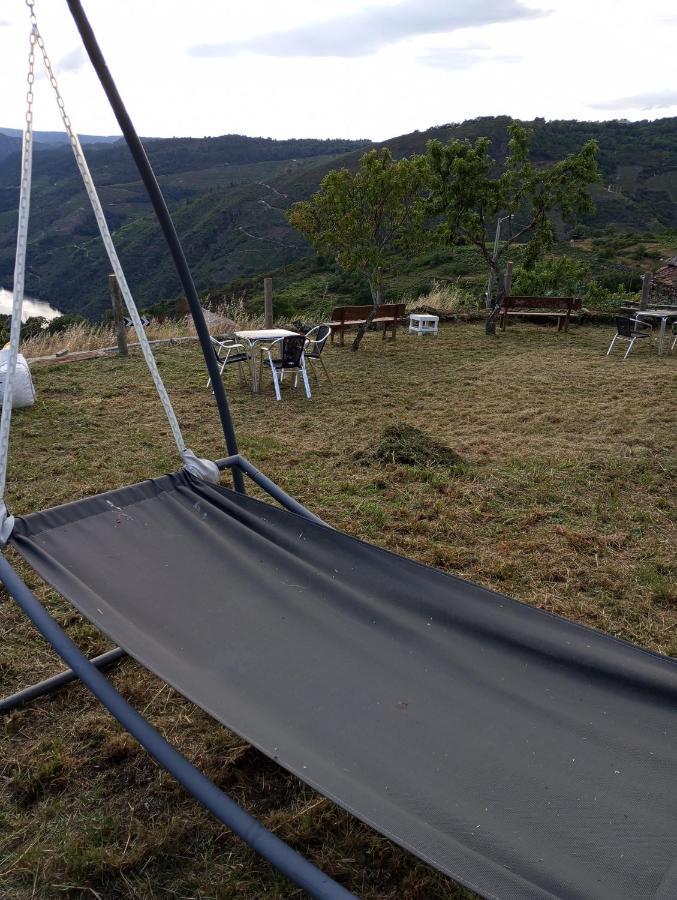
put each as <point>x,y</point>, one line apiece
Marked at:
<point>666,276</point>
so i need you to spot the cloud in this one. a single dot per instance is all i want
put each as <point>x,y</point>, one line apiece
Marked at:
<point>459,58</point>
<point>72,61</point>
<point>650,100</point>
<point>368,30</point>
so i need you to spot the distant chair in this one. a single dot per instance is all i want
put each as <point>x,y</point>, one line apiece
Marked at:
<point>291,358</point>
<point>674,337</point>
<point>226,355</point>
<point>316,339</point>
<point>631,330</point>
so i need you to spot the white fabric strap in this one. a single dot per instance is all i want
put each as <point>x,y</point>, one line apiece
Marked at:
<point>111,251</point>
<point>7,521</point>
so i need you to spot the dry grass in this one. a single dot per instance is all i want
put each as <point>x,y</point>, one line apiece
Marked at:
<point>87,336</point>
<point>446,298</point>
<point>565,500</point>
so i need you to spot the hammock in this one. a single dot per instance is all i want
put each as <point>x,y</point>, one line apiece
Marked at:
<point>521,754</point>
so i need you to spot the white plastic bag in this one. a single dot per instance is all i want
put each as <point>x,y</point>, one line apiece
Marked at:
<point>24,392</point>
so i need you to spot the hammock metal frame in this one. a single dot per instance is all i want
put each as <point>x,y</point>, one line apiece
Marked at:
<point>277,852</point>
<point>495,623</point>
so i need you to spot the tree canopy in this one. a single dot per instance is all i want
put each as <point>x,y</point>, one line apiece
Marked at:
<point>366,220</point>
<point>467,195</point>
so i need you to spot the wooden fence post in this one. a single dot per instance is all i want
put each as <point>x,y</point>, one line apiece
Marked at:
<point>646,290</point>
<point>267,302</point>
<point>118,318</point>
<point>508,279</point>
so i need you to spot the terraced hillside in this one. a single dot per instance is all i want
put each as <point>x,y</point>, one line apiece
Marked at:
<point>229,196</point>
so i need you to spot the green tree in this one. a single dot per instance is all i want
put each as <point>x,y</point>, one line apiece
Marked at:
<point>466,196</point>
<point>367,220</point>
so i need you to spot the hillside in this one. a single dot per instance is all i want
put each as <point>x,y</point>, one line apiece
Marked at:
<point>10,139</point>
<point>229,197</point>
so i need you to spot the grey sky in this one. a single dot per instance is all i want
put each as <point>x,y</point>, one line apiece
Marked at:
<point>346,68</point>
<point>460,58</point>
<point>645,102</point>
<point>367,30</point>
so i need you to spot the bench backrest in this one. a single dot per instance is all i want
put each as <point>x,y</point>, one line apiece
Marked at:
<point>560,303</point>
<point>349,313</point>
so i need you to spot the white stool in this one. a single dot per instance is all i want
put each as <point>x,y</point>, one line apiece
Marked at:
<point>423,323</point>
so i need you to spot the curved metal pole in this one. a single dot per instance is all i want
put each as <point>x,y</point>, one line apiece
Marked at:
<point>288,861</point>
<point>165,220</point>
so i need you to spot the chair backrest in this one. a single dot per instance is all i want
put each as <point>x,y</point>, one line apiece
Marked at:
<point>216,347</point>
<point>318,338</point>
<point>292,351</point>
<point>624,326</point>
<point>349,313</point>
<point>559,303</point>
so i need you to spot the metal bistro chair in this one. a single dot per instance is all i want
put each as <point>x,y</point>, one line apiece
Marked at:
<point>291,357</point>
<point>225,356</point>
<point>631,330</point>
<point>316,339</point>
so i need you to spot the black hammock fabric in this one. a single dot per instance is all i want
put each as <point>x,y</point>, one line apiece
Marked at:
<point>522,754</point>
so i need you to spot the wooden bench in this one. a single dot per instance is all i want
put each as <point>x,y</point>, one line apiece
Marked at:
<point>561,308</point>
<point>388,315</point>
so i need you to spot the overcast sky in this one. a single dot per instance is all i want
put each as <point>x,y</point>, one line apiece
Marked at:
<point>347,68</point>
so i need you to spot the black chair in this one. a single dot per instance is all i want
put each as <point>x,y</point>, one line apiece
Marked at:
<point>291,357</point>
<point>316,339</point>
<point>226,356</point>
<point>631,330</point>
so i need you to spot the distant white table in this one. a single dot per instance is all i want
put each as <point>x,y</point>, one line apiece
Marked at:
<point>423,323</point>
<point>664,315</point>
<point>253,337</point>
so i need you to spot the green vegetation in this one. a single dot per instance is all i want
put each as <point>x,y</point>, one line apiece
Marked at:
<point>229,197</point>
<point>565,501</point>
<point>468,197</point>
<point>367,221</point>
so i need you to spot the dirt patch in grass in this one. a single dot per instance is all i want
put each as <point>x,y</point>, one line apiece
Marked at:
<point>566,501</point>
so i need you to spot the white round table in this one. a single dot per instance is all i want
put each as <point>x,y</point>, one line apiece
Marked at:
<point>664,315</point>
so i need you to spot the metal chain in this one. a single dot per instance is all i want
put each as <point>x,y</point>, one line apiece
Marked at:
<point>108,241</point>
<point>19,279</point>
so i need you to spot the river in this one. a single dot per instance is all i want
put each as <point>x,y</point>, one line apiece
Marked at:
<point>31,307</point>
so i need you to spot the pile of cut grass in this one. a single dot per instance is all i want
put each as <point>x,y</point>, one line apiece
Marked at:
<point>566,501</point>
<point>411,446</point>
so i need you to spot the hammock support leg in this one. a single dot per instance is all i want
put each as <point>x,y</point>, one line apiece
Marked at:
<point>165,222</point>
<point>280,855</point>
<point>50,685</point>
<point>272,489</point>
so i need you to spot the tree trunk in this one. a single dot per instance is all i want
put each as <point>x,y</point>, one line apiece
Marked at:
<point>490,324</point>
<point>377,300</point>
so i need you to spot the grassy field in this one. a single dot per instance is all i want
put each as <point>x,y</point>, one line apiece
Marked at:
<point>564,499</point>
